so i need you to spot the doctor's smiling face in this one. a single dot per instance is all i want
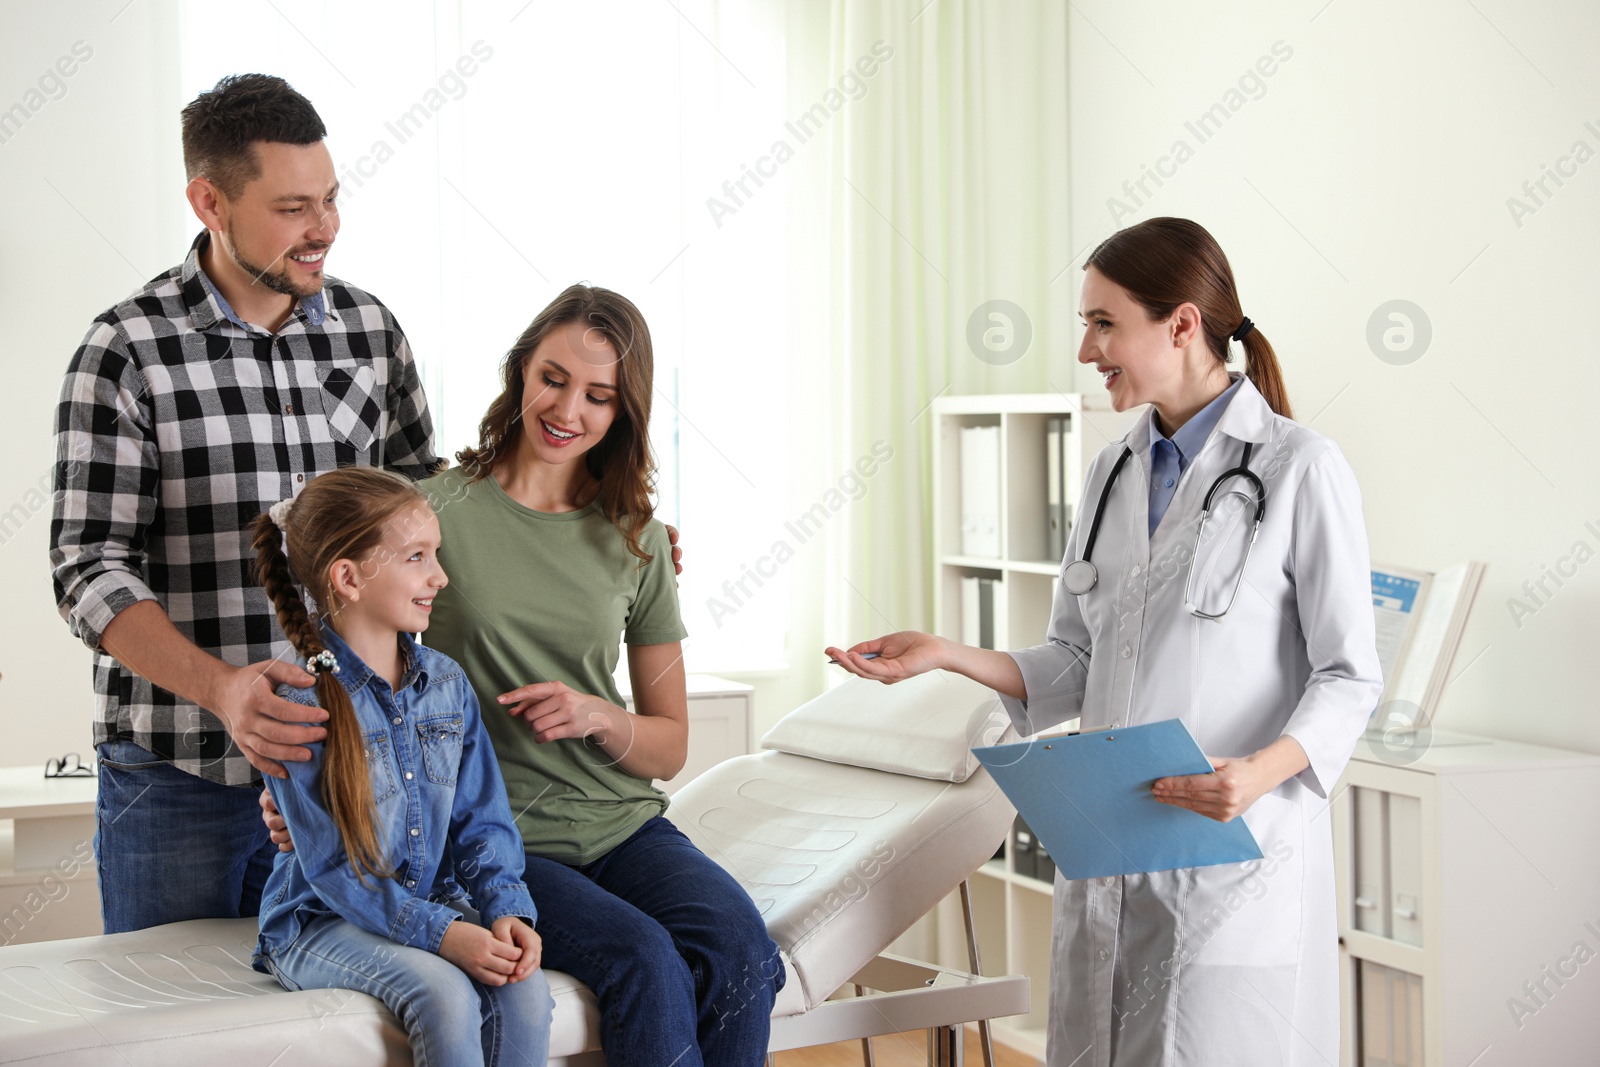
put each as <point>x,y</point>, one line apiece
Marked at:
<point>1163,362</point>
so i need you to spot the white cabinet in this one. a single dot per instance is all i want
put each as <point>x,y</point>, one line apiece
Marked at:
<point>48,885</point>
<point>1468,873</point>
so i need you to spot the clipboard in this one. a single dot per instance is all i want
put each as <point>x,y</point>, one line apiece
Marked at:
<point>1087,799</point>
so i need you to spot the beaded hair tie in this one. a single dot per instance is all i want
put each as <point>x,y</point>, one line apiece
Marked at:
<point>322,661</point>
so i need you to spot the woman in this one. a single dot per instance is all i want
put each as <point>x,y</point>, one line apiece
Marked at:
<point>1274,671</point>
<point>554,561</point>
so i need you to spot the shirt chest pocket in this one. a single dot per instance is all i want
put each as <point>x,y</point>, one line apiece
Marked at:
<point>350,402</point>
<point>440,741</point>
<point>380,769</point>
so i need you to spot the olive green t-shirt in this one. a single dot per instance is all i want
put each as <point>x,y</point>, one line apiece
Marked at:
<point>538,597</point>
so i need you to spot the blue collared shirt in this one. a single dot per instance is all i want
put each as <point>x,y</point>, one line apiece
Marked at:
<point>1170,458</point>
<point>441,808</point>
<point>314,307</point>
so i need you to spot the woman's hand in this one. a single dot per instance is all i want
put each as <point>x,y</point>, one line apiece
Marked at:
<point>277,827</point>
<point>1236,783</point>
<point>513,931</point>
<point>650,742</point>
<point>481,954</point>
<point>554,710</point>
<point>900,655</point>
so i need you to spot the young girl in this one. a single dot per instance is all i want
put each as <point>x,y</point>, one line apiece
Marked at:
<point>403,793</point>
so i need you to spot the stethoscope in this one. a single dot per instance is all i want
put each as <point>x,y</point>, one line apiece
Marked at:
<point>1081,575</point>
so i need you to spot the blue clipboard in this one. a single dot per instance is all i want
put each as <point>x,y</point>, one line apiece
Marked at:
<point>1087,799</point>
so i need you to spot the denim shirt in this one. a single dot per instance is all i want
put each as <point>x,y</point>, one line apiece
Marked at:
<point>441,811</point>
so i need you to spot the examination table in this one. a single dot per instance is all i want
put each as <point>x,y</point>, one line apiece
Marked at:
<point>866,810</point>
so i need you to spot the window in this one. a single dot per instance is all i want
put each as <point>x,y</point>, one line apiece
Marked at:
<point>489,159</point>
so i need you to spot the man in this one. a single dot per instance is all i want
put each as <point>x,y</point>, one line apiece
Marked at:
<point>221,387</point>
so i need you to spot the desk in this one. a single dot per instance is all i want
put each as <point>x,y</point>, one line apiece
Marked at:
<point>48,885</point>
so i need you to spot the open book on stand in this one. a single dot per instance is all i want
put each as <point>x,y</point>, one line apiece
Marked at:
<point>1420,617</point>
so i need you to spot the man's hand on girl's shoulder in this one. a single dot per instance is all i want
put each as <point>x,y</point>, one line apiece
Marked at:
<point>677,553</point>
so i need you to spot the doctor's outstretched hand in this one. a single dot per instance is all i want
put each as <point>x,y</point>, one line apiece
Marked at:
<point>906,653</point>
<point>898,656</point>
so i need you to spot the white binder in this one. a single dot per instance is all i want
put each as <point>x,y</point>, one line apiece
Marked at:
<point>980,491</point>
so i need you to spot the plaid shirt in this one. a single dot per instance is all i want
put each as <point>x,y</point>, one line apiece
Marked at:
<point>177,426</point>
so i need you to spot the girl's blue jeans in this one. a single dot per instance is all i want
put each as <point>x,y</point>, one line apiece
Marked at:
<point>451,1019</point>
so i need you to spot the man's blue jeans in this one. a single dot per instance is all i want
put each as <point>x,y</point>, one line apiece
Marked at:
<point>450,1019</point>
<point>171,846</point>
<point>674,949</point>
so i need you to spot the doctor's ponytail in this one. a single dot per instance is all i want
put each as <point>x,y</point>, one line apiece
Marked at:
<point>1165,262</point>
<point>1261,367</point>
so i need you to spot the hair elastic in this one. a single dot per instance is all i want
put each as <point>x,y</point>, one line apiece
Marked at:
<point>1244,330</point>
<point>322,661</point>
<point>279,513</point>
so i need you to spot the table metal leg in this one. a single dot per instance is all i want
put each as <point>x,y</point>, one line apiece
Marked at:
<point>984,1037</point>
<point>947,1046</point>
<point>867,1058</point>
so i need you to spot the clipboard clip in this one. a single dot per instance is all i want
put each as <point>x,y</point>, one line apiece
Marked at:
<point>1109,736</point>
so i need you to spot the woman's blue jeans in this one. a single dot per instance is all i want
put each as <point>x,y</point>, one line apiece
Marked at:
<point>451,1020</point>
<point>674,949</point>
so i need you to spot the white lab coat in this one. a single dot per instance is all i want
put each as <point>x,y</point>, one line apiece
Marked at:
<point>1233,965</point>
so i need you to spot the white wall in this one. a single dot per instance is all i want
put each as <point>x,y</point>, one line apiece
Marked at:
<point>1376,165</point>
<point>92,184</point>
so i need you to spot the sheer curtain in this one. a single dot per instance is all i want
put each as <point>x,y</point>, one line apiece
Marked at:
<point>492,154</point>
<point>942,187</point>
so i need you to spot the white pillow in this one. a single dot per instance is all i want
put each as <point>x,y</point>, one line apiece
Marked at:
<point>925,726</point>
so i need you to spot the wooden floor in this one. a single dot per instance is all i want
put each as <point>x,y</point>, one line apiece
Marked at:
<point>896,1050</point>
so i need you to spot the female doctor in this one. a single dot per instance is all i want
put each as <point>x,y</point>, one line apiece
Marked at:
<point>1264,650</point>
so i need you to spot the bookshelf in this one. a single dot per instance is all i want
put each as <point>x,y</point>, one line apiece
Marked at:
<point>1012,911</point>
<point>1026,572</point>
